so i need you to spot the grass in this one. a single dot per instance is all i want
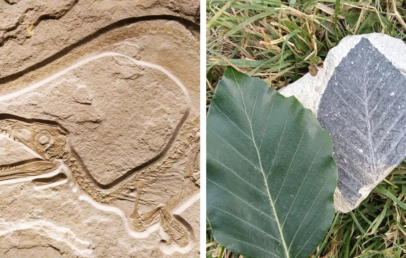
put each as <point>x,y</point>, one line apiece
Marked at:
<point>280,41</point>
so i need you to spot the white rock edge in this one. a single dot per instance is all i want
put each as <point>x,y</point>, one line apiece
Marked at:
<point>309,89</point>
<point>90,59</point>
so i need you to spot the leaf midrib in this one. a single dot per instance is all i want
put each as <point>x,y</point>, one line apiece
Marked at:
<point>262,170</point>
<point>368,122</point>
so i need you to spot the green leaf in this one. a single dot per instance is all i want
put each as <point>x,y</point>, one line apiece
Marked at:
<point>270,171</point>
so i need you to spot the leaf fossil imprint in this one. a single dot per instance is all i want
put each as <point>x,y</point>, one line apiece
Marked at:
<point>270,171</point>
<point>363,109</point>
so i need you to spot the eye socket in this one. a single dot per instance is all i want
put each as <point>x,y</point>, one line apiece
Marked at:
<point>43,140</point>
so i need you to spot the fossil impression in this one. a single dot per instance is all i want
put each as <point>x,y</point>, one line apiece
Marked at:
<point>358,97</point>
<point>110,130</point>
<point>49,142</point>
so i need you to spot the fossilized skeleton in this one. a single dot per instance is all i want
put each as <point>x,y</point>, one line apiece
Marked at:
<point>50,142</point>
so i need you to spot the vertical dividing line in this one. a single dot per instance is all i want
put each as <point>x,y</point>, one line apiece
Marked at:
<point>203,147</point>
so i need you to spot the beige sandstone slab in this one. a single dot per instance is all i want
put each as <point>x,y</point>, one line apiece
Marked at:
<point>34,30</point>
<point>99,150</point>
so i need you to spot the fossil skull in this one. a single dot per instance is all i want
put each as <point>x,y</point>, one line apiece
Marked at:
<point>47,141</point>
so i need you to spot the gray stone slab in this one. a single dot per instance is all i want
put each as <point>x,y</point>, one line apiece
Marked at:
<point>361,105</point>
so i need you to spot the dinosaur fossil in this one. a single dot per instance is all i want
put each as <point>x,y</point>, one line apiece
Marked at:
<point>50,142</point>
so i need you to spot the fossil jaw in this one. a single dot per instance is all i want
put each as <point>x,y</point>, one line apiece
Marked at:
<point>45,141</point>
<point>7,135</point>
<point>32,168</point>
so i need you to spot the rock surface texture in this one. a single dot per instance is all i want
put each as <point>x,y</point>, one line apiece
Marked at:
<point>359,98</point>
<point>99,128</point>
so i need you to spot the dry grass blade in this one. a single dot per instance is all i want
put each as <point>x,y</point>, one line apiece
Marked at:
<point>397,15</point>
<point>328,10</point>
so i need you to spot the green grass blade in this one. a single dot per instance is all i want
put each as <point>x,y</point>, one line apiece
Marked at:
<point>385,192</point>
<point>245,23</point>
<point>336,10</point>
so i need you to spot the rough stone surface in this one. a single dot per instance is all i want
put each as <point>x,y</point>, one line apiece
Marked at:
<point>99,129</point>
<point>33,30</point>
<point>359,98</point>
